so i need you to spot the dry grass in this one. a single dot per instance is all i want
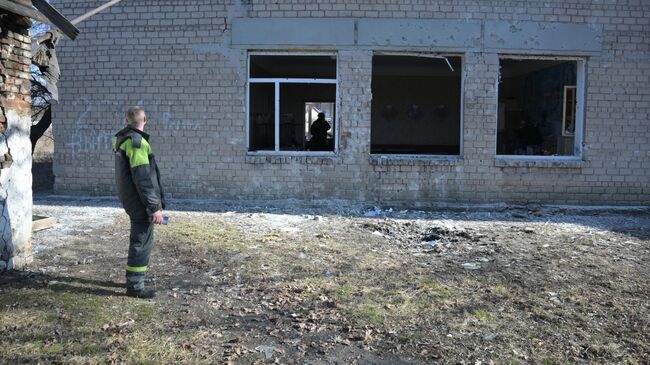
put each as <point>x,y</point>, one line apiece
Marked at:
<point>345,296</point>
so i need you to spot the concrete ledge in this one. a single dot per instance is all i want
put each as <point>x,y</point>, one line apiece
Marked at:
<point>424,33</point>
<point>411,160</point>
<point>284,159</point>
<point>293,31</point>
<point>499,36</point>
<point>542,37</point>
<point>545,163</point>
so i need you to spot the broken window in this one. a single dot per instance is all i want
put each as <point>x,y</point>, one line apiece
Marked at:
<point>292,102</point>
<point>537,107</point>
<point>416,103</point>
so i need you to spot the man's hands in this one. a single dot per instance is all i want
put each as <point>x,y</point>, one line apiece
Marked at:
<point>157,217</point>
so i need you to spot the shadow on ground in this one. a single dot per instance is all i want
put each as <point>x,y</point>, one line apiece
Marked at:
<point>75,285</point>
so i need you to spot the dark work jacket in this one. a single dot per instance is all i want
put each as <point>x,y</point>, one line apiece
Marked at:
<point>318,130</point>
<point>136,173</point>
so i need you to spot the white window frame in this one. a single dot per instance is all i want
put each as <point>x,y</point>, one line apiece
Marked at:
<point>277,82</point>
<point>581,72</point>
<point>462,105</point>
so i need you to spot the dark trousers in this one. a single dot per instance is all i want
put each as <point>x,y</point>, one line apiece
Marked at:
<point>140,245</point>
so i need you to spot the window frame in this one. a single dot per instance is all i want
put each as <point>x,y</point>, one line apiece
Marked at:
<point>407,156</point>
<point>581,75</point>
<point>277,82</point>
<point>564,110</point>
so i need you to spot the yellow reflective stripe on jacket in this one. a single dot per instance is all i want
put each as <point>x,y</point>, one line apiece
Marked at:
<point>137,156</point>
<point>137,268</point>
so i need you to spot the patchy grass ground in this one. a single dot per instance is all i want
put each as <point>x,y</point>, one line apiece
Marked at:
<point>321,288</point>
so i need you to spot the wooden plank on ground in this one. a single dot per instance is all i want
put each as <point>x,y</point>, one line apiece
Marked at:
<point>40,222</point>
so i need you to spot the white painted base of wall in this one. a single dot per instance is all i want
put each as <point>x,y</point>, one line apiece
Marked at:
<point>16,194</point>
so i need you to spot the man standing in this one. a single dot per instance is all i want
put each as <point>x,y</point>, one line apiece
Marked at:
<point>318,130</point>
<point>140,191</point>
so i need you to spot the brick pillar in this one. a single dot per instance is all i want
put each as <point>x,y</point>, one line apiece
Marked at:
<point>355,75</point>
<point>15,146</point>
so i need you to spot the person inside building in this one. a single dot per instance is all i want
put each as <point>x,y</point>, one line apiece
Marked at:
<point>529,138</point>
<point>318,130</point>
<point>141,193</point>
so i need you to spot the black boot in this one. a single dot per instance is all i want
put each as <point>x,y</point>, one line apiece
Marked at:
<point>141,293</point>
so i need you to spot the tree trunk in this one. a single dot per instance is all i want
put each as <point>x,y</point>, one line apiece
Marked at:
<point>38,129</point>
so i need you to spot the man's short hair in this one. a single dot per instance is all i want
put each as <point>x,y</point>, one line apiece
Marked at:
<point>133,113</point>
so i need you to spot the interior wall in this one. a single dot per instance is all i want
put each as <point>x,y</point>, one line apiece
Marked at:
<point>292,111</point>
<point>544,96</point>
<point>536,96</point>
<point>261,116</point>
<point>438,121</point>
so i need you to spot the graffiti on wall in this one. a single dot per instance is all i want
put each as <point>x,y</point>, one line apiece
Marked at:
<point>99,120</point>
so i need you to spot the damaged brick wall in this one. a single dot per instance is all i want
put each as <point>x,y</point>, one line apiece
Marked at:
<point>182,63</point>
<point>15,146</point>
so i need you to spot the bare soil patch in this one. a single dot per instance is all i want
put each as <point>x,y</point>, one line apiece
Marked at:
<point>335,284</point>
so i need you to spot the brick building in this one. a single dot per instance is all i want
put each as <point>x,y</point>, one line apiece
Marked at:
<point>427,101</point>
